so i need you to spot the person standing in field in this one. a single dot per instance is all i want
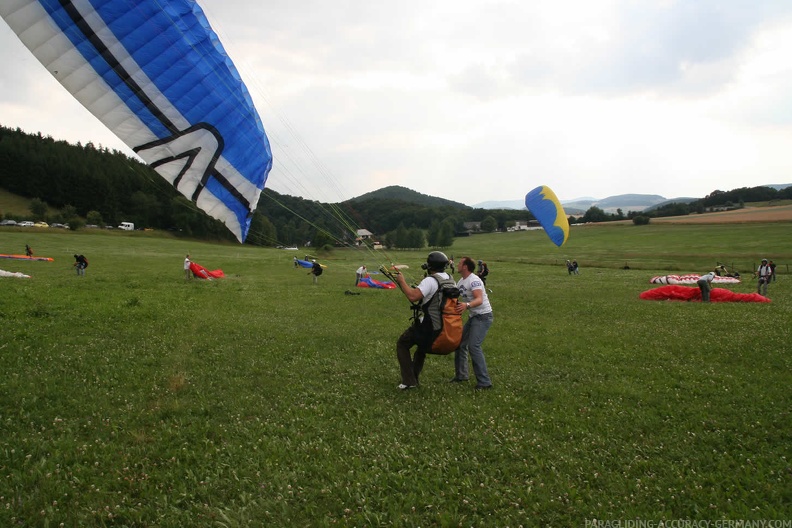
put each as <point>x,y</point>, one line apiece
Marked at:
<point>772,271</point>
<point>705,285</point>
<point>415,335</point>
<point>474,300</point>
<point>187,273</point>
<point>484,272</point>
<point>316,270</point>
<point>80,263</point>
<point>763,273</point>
<point>360,273</point>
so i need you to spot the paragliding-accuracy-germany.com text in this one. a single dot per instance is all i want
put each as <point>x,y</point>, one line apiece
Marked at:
<point>688,523</point>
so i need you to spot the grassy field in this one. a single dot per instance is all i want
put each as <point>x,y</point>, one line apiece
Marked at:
<point>132,397</point>
<point>14,204</point>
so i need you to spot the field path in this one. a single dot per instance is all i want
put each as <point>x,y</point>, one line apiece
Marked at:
<point>779,213</point>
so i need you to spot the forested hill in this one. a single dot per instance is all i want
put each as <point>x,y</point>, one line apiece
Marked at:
<point>403,194</point>
<point>95,185</point>
<point>89,184</point>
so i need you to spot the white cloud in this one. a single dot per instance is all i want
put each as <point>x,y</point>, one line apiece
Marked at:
<point>477,101</point>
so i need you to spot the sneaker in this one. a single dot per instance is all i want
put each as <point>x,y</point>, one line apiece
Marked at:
<point>402,386</point>
<point>483,387</point>
<point>456,380</point>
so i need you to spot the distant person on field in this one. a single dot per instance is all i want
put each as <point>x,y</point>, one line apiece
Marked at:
<point>296,264</point>
<point>360,273</point>
<point>772,271</point>
<point>764,273</point>
<point>28,251</point>
<point>570,269</point>
<point>473,299</point>
<point>187,272</point>
<point>575,267</point>
<point>483,273</point>
<point>316,270</point>
<point>705,285</point>
<point>80,263</point>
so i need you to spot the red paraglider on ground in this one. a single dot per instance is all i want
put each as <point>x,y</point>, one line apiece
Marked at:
<point>686,293</point>
<point>200,272</point>
<point>368,282</point>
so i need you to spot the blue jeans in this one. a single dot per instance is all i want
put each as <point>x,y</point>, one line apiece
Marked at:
<point>473,335</point>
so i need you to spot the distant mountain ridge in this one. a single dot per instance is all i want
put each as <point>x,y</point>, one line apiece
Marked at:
<point>576,206</point>
<point>625,202</point>
<point>610,204</point>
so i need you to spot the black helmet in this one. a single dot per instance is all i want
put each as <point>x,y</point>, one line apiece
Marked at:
<point>436,261</point>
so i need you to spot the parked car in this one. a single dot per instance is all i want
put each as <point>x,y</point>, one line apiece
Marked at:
<point>8,223</point>
<point>26,223</point>
<point>41,224</point>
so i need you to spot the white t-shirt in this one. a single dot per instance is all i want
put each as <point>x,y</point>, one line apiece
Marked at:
<point>361,270</point>
<point>187,263</point>
<point>429,286</point>
<point>708,277</point>
<point>466,287</point>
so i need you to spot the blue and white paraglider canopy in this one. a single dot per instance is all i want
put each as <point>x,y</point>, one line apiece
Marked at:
<point>155,73</point>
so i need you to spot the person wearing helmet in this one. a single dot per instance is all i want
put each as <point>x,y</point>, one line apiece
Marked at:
<point>410,365</point>
<point>764,272</point>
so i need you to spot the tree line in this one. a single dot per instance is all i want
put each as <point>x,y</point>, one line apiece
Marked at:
<point>715,201</point>
<point>86,184</point>
<point>78,184</point>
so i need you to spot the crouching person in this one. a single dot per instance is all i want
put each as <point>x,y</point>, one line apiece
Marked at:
<point>417,335</point>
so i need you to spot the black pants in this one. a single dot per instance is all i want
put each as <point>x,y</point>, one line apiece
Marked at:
<point>410,366</point>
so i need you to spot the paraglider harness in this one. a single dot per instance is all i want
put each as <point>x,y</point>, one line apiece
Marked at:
<point>437,325</point>
<point>721,271</point>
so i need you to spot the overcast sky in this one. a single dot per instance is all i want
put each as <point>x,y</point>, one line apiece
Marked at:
<point>484,100</point>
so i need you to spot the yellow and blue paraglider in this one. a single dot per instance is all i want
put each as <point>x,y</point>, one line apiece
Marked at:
<point>544,205</point>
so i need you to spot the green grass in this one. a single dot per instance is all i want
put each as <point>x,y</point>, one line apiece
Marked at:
<point>131,397</point>
<point>11,203</point>
<point>18,206</point>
